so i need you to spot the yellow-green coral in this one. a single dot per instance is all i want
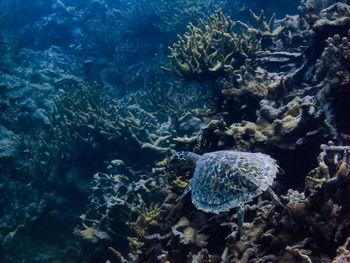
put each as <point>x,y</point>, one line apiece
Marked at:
<point>176,181</point>
<point>246,133</point>
<point>214,44</point>
<point>135,242</point>
<point>163,162</point>
<point>332,158</point>
<point>117,254</point>
<point>147,217</point>
<point>180,182</point>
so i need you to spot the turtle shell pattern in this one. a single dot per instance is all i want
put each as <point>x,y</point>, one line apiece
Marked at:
<point>224,180</point>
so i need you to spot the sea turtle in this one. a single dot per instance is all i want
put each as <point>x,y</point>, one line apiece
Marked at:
<point>223,180</point>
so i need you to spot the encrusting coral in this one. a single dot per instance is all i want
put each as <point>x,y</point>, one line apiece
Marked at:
<point>247,80</point>
<point>274,127</point>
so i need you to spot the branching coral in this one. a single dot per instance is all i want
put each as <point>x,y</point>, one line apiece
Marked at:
<point>147,218</point>
<point>207,49</point>
<point>177,182</point>
<point>298,251</point>
<point>332,159</point>
<point>88,116</point>
<point>117,209</point>
<point>83,114</point>
<point>289,119</point>
<point>203,49</point>
<point>333,75</point>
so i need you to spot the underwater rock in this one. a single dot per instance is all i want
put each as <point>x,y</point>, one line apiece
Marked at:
<point>187,234</point>
<point>343,253</point>
<point>91,235</point>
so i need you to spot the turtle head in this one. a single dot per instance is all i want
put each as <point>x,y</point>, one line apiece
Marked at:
<point>182,160</point>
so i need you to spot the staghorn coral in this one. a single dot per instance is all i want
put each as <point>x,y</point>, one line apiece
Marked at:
<point>88,117</point>
<point>198,54</point>
<point>209,48</point>
<point>147,218</point>
<point>84,114</point>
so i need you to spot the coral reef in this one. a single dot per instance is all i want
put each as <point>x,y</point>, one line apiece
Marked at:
<point>67,148</point>
<point>294,111</point>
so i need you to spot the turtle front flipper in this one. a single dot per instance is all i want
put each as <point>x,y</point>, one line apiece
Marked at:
<point>185,192</point>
